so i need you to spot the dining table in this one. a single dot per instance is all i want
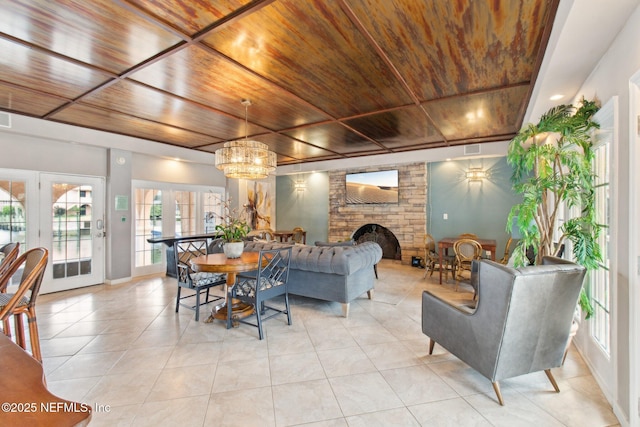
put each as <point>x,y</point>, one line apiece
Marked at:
<point>26,401</point>
<point>285,235</point>
<point>488,245</point>
<point>220,263</point>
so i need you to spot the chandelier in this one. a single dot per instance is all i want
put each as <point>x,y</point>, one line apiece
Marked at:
<point>244,158</point>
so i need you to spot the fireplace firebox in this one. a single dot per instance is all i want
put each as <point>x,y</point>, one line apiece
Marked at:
<point>382,236</point>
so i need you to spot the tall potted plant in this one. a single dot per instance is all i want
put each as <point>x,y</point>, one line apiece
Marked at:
<point>552,165</point>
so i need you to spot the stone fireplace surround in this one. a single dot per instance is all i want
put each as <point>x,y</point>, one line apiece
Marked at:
<point>407,220</point>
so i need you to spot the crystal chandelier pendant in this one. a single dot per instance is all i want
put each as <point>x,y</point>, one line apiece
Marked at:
<point>246,159</point>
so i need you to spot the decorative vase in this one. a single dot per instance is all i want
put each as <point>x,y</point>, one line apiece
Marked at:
<point>233,249</point>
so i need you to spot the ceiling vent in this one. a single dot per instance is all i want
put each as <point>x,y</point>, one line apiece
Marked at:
<point>471,150</point>
<point>5,120</point>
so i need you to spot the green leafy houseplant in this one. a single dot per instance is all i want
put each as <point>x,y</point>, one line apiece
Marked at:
<point>233,227</point>
<point>552,165</point>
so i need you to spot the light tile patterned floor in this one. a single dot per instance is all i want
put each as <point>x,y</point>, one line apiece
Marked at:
<point>125,347</point>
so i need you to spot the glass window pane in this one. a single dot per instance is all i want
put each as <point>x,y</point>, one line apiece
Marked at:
<point>148,223</point>
<point>13,220</point>
<point>72,229</point>
<point>599,279</point>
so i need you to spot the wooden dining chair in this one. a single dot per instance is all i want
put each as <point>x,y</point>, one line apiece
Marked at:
<point>298,235</point>
<point>432,259</point>
<point>23,301</point>
<point>466,250</point>
<point>505,258</point>
<point>468,236</point>
<point>9,253</point>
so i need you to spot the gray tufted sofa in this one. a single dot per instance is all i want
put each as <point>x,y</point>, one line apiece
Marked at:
<point>330,273</point>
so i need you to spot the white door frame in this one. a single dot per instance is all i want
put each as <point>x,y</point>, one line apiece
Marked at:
<point>603,365</point>
<point>634,250</point>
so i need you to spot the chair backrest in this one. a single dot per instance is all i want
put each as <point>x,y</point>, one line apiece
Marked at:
<point>468,236</point>
<point>10,253</point>
<point>467,250</point>
<point>298,235</point>
<point>429,243</point>
<point>262,233</point>
<point>33,263</point>
<point>274,265</point>
<point>505,258</point>
<point>185,250</point>
<point>539,303</point>
<point>267,235</point>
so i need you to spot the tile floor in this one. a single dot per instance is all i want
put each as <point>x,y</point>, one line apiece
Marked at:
<point>125,351</point>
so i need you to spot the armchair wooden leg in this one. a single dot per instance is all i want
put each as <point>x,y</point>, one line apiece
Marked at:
<point>370,293</point>
<point>553,380</point>
<point>496,388</point>
<point>432,343</point>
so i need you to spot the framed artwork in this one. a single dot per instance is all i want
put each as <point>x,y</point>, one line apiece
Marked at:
<point>258,203</point>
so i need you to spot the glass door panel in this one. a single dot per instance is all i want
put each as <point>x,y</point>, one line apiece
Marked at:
<point>148,224</point>
<point>13,212</point>
<point>73,230</point>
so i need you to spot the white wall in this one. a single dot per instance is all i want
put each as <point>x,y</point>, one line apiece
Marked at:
<point>38,145</point>
<point>47,155</point>
<point>611,78</point>
<point>147,168</point>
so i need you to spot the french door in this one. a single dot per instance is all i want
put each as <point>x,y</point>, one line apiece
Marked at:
<point>72,228</point>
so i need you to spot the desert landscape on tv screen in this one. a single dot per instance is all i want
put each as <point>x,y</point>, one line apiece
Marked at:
<point>372,187</point>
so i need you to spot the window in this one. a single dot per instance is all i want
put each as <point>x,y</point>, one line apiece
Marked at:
<point>212,210</point>
<point>166,209</point>
<point>148,223</point>
<point>185,213</point>
<point>13,221</point>
<point>599,279</point>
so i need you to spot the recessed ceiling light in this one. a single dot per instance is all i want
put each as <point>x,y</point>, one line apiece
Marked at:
<point>556,97</point>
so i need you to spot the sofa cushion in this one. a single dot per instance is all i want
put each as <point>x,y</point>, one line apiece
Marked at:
<point>341,260</point>
<point>345,243</point>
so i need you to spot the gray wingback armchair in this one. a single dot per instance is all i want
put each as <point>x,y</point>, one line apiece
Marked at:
<point>521,322</point>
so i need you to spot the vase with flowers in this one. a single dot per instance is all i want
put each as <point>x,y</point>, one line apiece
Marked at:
<point>232,229</point>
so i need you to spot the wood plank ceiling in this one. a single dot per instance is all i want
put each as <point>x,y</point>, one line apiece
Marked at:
<point>328,79</point>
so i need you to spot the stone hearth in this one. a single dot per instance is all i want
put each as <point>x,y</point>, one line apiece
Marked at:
<point>406,220</point>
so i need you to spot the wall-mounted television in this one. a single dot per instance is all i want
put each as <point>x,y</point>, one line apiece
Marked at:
<point>372,187</point>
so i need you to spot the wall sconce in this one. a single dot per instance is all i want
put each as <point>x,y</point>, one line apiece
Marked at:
<point>300,185</point>
<point>476,174</point>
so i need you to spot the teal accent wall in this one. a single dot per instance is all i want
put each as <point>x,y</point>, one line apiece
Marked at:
<point>472,207</point>
<point>307,208</point>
